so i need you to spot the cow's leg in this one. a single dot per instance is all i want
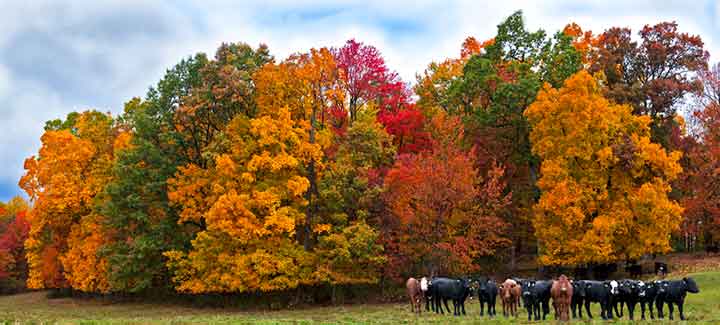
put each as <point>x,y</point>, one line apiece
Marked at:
<point>529,311</point>
<point>650,309</point>
<point>536,310</point>
<point>670,309</point>
<point>642,310</point>
<point>446,305</point>
<point>579,308</point>
<point>631,310</point>
<point>659,305</point>
<point>587,309</point>
<point>546,308</point>
<point>680,309</point>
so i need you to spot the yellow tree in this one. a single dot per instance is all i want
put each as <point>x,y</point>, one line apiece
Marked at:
<point>251,197</point>
<point>307,86</point>
<point>604,184</point>
<point>72,166</point>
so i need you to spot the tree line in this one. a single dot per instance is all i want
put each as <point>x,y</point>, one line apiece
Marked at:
<point>243,172</point>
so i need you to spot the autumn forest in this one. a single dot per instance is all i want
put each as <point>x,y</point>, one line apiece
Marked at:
<point>244,172</point>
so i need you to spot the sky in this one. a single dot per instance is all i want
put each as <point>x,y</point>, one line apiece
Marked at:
<point>62,56</point>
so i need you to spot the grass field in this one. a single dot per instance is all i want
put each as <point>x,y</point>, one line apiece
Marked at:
<point>702,308</point>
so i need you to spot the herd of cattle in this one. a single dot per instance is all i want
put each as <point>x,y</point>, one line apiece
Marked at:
<point>567,296</point>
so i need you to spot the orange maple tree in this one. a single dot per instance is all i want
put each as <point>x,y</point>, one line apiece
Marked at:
<point>604,184</point>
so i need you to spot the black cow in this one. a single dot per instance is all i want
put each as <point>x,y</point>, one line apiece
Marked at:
<point>599,292</point>
<point>661,269</point>
<point>536,294</point>
<point>674,292</point>
<point>456,290</point>
<point>426,287</point>
<point>487,293</point>
<point>628,294</point>
<point>648,294</point>
<point>577,298</point>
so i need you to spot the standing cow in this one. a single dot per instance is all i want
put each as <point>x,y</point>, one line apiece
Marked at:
<point>426,288</point>
<point>510,297</point>
<point>487,294</point>
<point>648,294</point>
<point>562,292</point>
<point>628,294</point>
<point>415,294</point>
<point>536,295</point>
<point>456,290</point>
<point>674,292</point>
<point>578,298</point>
<point>599,292</point>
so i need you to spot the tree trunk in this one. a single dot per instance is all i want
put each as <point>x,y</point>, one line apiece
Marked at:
<point>312,190</point>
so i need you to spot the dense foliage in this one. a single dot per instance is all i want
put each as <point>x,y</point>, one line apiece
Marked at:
<point>244,173</point>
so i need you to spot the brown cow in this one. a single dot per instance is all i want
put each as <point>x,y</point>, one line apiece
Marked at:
<point>561,293</point>
<point>415,294</point>
<point>510,297</point>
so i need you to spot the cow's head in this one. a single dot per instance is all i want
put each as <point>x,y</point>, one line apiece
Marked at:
<point>690,285</point>
<point>627,287</point>
<point>508,287</point>
<point>613,287</point>
<point>483,287</point>
<point>642,289</point>
<point>578,288</point>
<point>527,287</point>
<point>424,284</point>
<point>662,287</point>
<point>470,287</point>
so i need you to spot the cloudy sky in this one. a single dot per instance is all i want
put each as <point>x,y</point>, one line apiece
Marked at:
<point>57,57</point>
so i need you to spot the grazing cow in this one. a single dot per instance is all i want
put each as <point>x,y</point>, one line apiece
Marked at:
<point>415,293</point>
<point>536,294</point>
<point>599,292</point>
<point>661,269</point>
<point>562,292</point>
<point>577,298</point>
<point>456,290</point>
<point>628,294</point>
<point>648,293</point>
<point>674,292</point>
<point>510,297</point>
<point>425,287</point>
<point>487,293</point>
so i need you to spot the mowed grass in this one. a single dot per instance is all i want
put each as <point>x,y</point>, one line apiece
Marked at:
<point>702,308</point>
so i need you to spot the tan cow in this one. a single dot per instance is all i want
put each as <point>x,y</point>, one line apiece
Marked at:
<point>510,297</point>
<point>415,293</point>
<point>561,293</point>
